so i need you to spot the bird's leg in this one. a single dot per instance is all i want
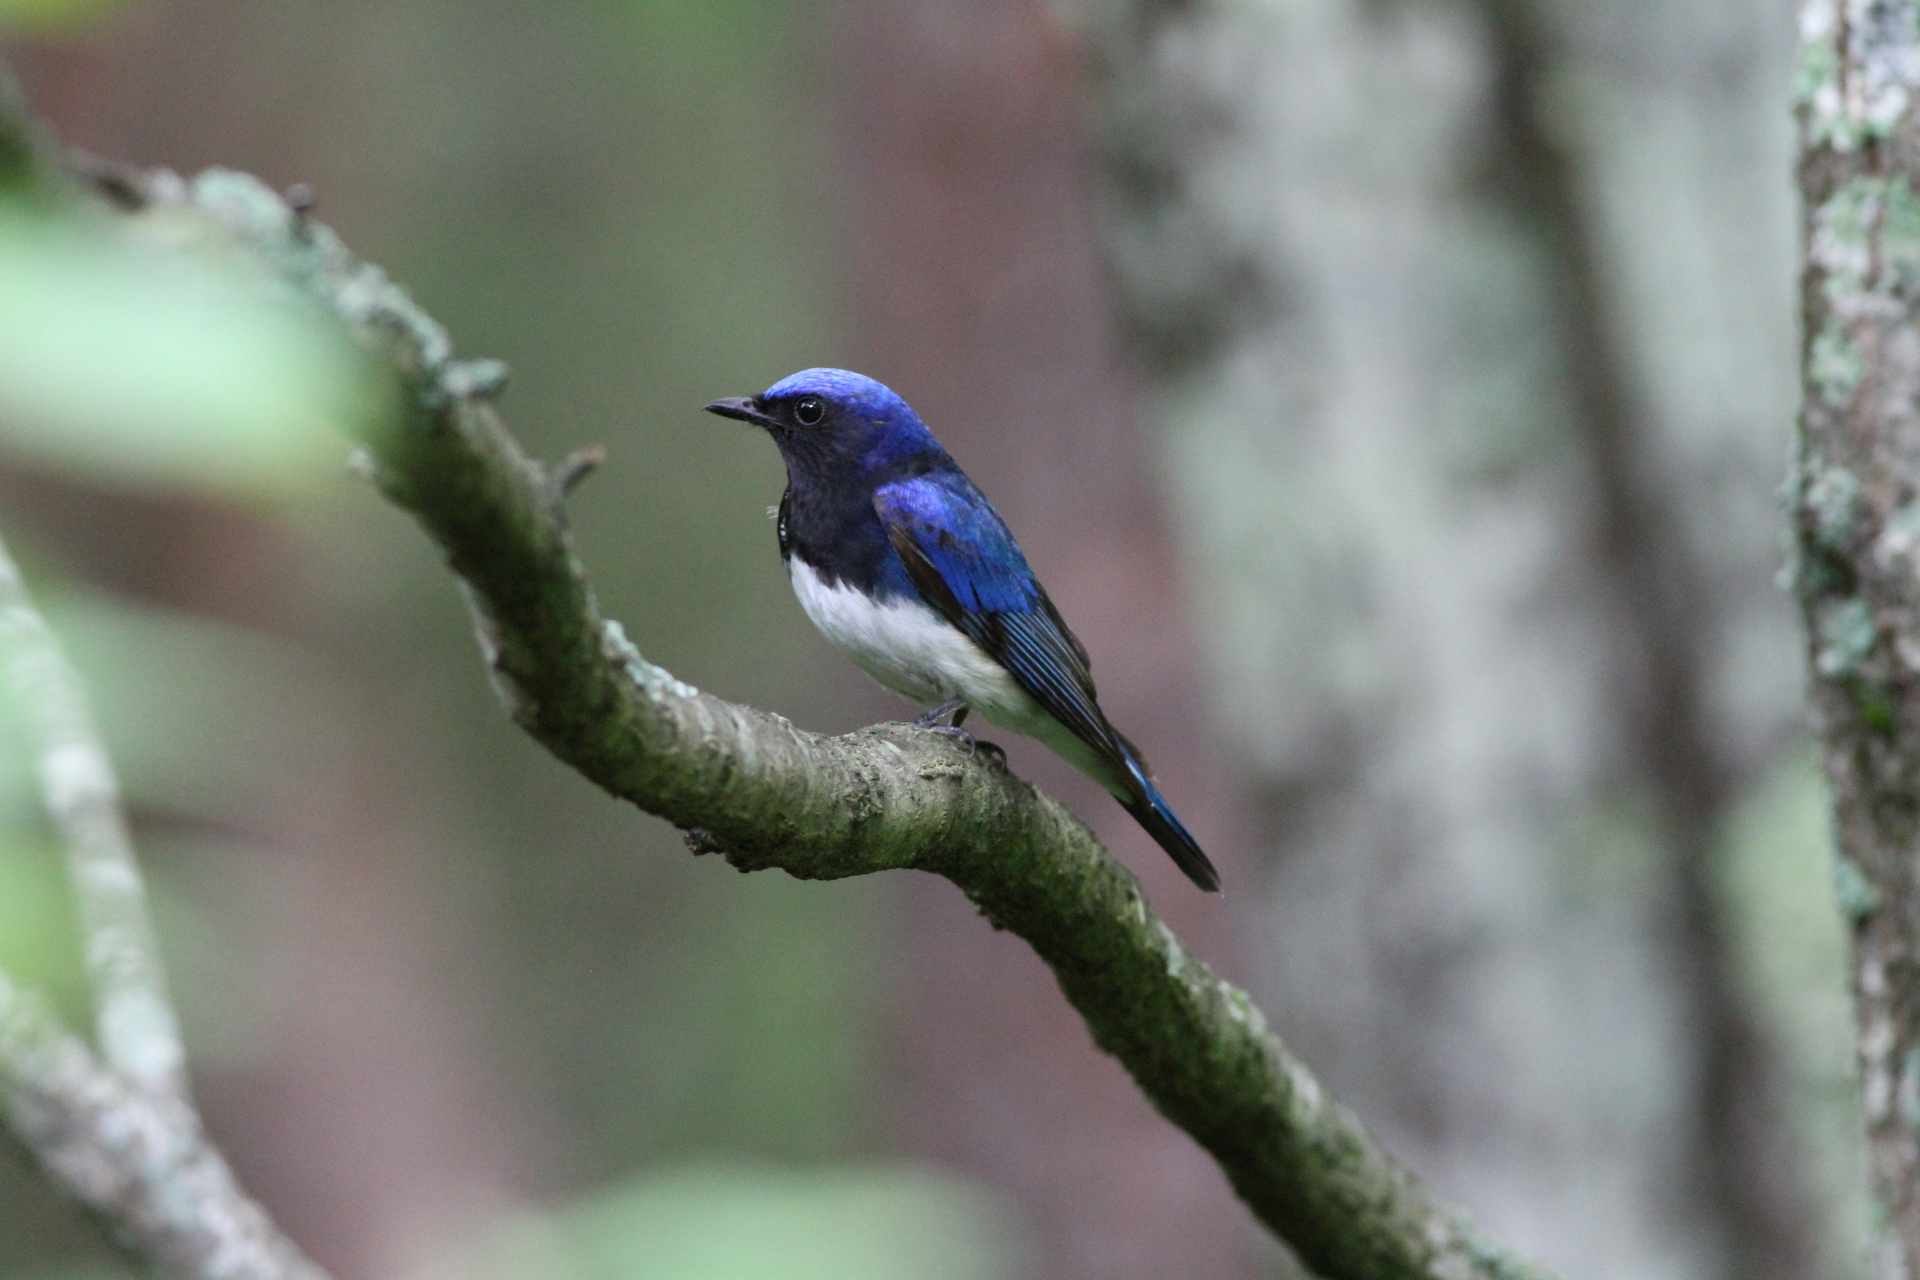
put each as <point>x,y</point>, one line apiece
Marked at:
<point>957,708</point>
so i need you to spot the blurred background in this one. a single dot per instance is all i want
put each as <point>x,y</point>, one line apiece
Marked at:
<point>1393,394</point>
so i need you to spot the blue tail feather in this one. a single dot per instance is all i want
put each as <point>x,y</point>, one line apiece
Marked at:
<point>1152,812</point>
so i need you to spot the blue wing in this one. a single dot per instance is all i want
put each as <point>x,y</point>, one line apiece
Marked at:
<point>962,559</point>
<point>964,562</point>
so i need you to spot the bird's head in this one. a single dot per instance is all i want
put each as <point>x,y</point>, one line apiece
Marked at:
<point>836,420</point>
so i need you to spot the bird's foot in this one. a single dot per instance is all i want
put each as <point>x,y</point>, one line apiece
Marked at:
<point>957,708</point>
<point>991,750</point>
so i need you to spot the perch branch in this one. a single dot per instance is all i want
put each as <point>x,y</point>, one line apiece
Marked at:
<point>752,787</point>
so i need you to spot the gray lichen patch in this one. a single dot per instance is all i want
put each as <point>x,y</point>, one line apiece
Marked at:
<point>1846,632</point>
<point>1866,237</point>
<point>1833,500</point>
<point>654,680</point>
<point>1859,93</point>
<point>1836,366</point>
<point>1898,546</point>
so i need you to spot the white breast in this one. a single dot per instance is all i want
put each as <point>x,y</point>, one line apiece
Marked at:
<point>912,650</point>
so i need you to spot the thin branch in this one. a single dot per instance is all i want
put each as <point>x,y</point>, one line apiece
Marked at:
<point>121,1136</point>
<point>139,1035</point>
<point>574,468</point>
<point>765,794</point>
<point>137,1159</point>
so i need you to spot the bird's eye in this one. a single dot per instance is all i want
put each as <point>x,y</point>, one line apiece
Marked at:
<point>809,410</point>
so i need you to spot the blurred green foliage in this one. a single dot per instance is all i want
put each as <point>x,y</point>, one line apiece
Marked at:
<point>746,1222</point>
<point>153,358</point>
<point>44,15</point>
<point>719,1222</point>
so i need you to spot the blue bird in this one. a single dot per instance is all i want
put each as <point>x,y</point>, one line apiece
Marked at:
<point>907,569</point>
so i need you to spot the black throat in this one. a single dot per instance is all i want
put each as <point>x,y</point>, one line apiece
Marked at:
<point>829,523</point>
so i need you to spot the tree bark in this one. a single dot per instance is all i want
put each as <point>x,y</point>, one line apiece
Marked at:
<point>1855,506</point>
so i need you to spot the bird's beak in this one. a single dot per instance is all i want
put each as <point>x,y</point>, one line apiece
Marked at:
<point>744,408</point>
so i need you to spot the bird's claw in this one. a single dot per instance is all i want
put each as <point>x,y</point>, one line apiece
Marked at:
<point>955,732</point>
<point>991,750</point>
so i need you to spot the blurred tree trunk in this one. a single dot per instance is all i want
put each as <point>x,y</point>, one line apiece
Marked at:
<point>1490,535</point>
<point>978,295</point>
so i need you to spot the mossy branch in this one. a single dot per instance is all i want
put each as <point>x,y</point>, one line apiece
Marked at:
<point>750,786</point>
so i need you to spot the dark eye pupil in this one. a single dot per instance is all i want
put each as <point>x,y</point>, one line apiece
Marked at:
<point>810,410</point>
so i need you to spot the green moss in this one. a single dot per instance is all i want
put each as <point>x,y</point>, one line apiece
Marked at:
<point>1875,708</point>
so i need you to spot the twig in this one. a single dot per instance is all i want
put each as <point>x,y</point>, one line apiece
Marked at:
<point>575,467</point>
<point>137,1159</point>
<point>139,1036</point>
